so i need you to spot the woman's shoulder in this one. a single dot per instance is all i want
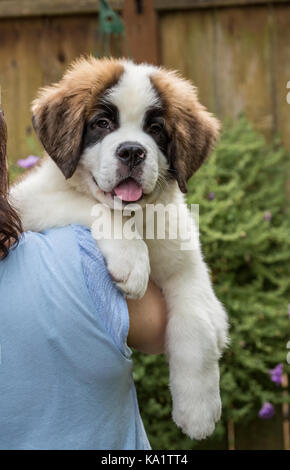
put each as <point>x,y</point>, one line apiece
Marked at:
<point>64,239</point>
<point>71,255</point>
<point>103,290</point>
<point>62,248</point>
<point>87,244</point>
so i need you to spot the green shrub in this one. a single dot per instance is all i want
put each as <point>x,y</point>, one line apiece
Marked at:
<point>14,172</point>
<point>244,229</point>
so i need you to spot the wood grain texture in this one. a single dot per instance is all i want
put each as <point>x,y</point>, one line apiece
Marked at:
<point>260,434</point>
<point>244,67</point>
<point>281,68</point>
<point>187,44</point>
<point>141,31</point>
<point>21,8</point>
<point>35,52</point>
<point>238,57</point>
<point>191,4</point>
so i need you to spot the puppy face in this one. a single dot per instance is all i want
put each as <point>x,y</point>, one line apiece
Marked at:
<point>119,129</point>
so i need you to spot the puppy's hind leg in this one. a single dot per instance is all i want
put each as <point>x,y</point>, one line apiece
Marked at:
<point>193,353</point>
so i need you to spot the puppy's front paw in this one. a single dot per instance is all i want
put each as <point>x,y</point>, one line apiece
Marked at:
<point>197,410</point>
<point>130,267</point>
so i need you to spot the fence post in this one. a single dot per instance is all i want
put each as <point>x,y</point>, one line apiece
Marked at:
<point>285,415</point>
<point>141,26</point>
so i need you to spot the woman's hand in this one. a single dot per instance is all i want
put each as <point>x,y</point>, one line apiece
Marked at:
<point>148,321</point>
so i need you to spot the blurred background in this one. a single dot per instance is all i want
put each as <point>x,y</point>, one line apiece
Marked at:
<point>237,52</point>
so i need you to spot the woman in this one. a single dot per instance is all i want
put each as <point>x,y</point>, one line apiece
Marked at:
<point>66,368</point>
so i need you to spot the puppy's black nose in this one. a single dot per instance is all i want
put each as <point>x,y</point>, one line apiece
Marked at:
<point>131,154</point>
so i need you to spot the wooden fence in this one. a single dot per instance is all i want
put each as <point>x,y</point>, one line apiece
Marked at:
<point>236,52</point>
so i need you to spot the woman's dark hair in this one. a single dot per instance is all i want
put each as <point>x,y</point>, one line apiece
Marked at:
<point>10,224</point>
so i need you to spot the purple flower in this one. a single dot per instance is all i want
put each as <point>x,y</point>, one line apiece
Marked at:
<point>276,374</point>
<point>267,411</point>
<point>211,196</point>
<point>268,216</point>
<point>28,162</point>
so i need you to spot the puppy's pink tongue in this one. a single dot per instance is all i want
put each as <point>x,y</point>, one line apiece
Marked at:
<point>128,190</point>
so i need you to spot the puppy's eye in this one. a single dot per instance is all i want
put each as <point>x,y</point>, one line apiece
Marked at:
<point>155,128</point>
<point>101,123</point>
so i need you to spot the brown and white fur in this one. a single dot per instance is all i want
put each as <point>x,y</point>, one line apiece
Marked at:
<point>81,122</point>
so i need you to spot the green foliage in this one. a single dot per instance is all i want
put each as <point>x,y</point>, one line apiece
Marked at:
<point>14,172</point>
<point>244,229</point>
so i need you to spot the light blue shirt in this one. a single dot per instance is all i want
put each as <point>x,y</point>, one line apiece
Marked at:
<point>66,370</point>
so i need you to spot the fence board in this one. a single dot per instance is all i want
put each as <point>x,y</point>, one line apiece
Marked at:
<point>19,79</point>
<point>281,67</point>
<point>243,54</point>
<point>238,58</point>
<point>35,52</point>
<point>21,8</point>
<point>261,434</point>
<point>141,31</point>
<point>191,4</point>
<point>187,44</point>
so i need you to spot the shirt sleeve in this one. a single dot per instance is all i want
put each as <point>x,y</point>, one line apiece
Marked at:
<point>102,290</point>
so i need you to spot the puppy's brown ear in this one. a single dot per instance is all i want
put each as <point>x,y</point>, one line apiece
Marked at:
<point>192,129</point>
<point>58,119</point>
<point>60,111</point>
<point>193,137</point>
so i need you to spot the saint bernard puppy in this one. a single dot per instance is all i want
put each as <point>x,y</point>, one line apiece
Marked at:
<point>113,129</point>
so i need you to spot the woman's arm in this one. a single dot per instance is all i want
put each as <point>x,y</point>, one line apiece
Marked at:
<point>147,321</point>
